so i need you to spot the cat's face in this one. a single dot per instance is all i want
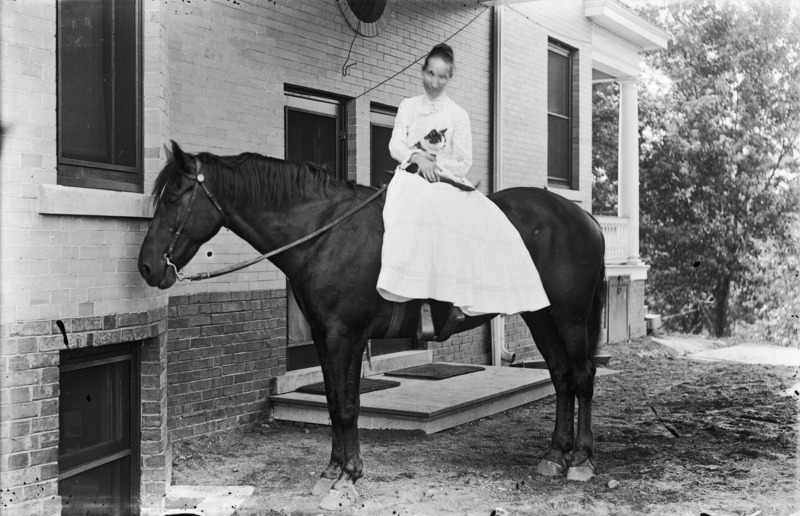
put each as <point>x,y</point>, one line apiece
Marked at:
<point>435,140</point>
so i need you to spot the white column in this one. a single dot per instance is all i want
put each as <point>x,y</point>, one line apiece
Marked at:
<point>628,182</point>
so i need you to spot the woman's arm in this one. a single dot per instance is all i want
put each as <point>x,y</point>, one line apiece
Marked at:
<point>397,145</point>
<point>459,161</point>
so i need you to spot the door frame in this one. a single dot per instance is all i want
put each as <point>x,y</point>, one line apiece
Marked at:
<point>305,100</point>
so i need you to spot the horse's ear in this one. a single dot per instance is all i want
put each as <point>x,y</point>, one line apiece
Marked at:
<point>181,158</point>
<point>170,156</point>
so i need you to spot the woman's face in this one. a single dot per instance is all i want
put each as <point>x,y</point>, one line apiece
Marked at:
<point>436,76</point>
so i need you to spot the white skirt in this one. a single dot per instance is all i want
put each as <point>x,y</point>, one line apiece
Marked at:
<point>447,244</point>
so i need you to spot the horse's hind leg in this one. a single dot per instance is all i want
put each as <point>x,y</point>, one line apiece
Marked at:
<point>581,465</point>
<point>545,334</point>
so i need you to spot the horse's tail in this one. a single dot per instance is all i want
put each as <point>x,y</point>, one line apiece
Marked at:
<point>596,314</point>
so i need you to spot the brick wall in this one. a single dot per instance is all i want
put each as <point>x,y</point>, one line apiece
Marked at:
<point>472,347</point>
<point>224,347</point>
<point>29,401</point>
<point>519,339</point>
<point>77,265</point>
<point>229,63</point>
<point>54,267</point>
<point>526,29</point>
<point>156,454</point>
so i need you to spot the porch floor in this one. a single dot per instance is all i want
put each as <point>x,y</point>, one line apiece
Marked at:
<point>429,405</point>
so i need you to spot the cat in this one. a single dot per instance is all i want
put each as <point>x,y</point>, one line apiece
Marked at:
<point>433,143</point>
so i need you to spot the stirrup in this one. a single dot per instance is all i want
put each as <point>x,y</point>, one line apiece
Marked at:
<point>425,330</point>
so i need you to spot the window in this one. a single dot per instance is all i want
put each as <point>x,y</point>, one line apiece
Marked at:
<point>381,162</point>
<point>98,455</point>
<point>561,117</point>
<point>315,130</point>
<point>99,94</point>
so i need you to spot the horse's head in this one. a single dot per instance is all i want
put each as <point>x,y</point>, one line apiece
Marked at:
<point>187,215</point>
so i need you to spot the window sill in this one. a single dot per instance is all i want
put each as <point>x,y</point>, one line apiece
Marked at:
<point>68,200</point>
<point>568,193</point>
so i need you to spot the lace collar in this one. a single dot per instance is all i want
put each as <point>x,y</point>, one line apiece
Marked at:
<point>430,105</point>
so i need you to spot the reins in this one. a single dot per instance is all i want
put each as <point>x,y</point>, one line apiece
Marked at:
<point>248,263</point>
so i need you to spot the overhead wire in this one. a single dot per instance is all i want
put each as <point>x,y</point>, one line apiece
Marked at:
<point>345,66</point>
<point>548,29</point>
<point>423,56</point>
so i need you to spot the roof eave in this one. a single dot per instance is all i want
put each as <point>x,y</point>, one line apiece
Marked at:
<point>613,17</point>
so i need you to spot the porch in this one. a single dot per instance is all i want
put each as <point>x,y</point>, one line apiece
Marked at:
<point>410,405</point>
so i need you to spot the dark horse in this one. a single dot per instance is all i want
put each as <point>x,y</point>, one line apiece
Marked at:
<point>270,202</point>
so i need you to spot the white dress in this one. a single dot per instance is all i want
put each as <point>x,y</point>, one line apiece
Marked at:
<point>444,243</point>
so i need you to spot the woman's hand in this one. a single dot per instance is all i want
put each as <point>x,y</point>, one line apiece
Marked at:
<point>427,166</point>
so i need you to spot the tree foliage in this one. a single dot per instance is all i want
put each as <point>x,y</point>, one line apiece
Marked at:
<point>720,129</point>
<point>605,138</point>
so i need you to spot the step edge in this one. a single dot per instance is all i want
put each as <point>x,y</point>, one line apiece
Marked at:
<point>433,415</point>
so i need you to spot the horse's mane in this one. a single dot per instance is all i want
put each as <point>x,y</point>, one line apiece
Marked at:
<point>250,179</point>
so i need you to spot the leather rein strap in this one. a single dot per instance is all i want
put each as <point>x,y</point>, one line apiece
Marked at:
<point>241,265</point>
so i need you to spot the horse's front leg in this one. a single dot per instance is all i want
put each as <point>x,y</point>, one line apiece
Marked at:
<point>342,381</point>
<point>334,468</point>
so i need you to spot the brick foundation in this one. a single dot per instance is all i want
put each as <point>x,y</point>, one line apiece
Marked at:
<point>224,347</point>
<point>472,347</point>
<point>519,339</point>
<point>29,403</point>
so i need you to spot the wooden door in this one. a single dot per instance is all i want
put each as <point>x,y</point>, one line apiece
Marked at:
<point>618,308</point>
<point>314,132</point>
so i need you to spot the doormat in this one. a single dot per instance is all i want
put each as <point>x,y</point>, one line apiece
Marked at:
<point>367,385</point>
<point>438,371</point>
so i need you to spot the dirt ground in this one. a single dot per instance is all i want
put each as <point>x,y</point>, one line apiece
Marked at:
<point>735,452</point>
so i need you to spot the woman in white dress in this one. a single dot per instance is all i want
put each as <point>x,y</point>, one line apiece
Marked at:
<point>442,242</point>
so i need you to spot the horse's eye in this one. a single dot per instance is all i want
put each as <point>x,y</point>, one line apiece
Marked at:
<point>172,198</point>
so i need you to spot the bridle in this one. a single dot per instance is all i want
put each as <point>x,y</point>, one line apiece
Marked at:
<point>199,179</point>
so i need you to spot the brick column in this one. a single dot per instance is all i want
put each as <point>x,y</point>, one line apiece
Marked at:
<point>28,420</point>
<point>156,454</point>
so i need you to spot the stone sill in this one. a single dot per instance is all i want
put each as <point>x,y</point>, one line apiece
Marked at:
<point>89,202</point>
<point>575,196</point>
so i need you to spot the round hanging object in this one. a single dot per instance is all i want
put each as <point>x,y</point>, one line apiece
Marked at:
<point>367,17</point>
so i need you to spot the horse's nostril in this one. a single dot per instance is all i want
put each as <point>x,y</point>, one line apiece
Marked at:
<point>145,270</point>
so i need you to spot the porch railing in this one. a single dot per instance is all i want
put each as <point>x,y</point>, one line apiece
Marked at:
<point>615,230</point>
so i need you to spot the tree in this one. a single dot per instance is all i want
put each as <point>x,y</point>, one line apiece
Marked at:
<point>720,127</point>
<point>605,139</point>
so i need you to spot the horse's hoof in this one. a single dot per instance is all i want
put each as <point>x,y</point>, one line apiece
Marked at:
<point>549,468</point>
<point>322,486</point>
<point>339,499</point>
<point>581,472</point>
